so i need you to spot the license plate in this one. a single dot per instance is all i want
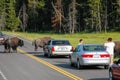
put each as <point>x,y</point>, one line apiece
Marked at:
<point>62,49</point>
<point>96,56</point>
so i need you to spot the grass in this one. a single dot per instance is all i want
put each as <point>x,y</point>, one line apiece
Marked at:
<point>98,38</point>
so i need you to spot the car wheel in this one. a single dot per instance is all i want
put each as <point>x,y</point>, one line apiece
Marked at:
<point>78,64</point>
<point>106,67</point>
<point>49,54</point>
<point>45,54</point>
<point>111,75</point>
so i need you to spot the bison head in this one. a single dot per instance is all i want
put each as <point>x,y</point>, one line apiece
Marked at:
<point>21,43</point>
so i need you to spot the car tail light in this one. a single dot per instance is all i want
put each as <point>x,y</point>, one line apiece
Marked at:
<point>87,55</point>
<point>53,49</point>
<point>104,55</point>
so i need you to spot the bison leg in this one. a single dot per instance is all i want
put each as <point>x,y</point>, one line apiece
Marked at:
<point>6,48</point>
<point>9,50</point>
<point>14,49</point>
<point>36,47</point>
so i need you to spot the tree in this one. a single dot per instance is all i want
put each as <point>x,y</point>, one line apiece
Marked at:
<point>12,21</point>
<point>95,7</point>
<point>57,15</point>
<point>72,17</point>
<point>23,16</point>
<point>2,14</point>
<point>34,6</point>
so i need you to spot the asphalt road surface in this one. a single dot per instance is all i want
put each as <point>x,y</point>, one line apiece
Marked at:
<point>27,64</point>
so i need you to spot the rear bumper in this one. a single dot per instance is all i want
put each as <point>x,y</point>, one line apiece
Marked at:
<point>95,62</point>
<point>62,53</point>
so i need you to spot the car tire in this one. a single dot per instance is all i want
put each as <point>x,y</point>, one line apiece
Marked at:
<point>106,67</point>
<point>49,54</point>
<point>111,75</point>
<point>45,54</point>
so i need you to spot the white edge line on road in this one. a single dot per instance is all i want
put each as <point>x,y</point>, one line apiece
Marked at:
<point>4,77</point>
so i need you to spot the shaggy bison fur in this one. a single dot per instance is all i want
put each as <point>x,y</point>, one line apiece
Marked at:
<point>12,43</point>
<point>117,48</point>
<point>41,42</point>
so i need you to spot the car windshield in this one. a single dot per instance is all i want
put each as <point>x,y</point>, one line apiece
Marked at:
<point>93,48</point>
<point>60,42</point>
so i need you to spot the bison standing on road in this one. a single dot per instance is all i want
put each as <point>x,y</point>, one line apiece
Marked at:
<point>41,42</point>
<point>12,43</point>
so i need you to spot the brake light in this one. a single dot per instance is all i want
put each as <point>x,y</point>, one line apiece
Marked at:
<point>53,49</point>
<point>104,55</point>
<point>87,55</point>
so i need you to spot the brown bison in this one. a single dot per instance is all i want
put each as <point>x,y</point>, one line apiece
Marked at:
<point>41,42</point>
<point>117,48</point>
<point>12,43</point>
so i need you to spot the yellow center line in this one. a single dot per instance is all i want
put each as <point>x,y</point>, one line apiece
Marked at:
<point>73,77</point>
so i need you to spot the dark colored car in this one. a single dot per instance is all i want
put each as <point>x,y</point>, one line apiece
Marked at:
<point>2,38</point>
<point>114,71</point>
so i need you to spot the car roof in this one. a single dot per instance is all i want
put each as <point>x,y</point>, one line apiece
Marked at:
<point>59,40</point>
<point>91,44</point>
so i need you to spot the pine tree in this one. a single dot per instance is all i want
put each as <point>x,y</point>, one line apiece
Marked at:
<point>12,21</point>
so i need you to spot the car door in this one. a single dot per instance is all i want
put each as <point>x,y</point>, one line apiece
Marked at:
<point>75,54</point>
<point>116,69</point>
<point>78,53</point>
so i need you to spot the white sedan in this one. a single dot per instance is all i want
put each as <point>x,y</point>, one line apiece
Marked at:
<point>58,48</point>
<point>90,54</point>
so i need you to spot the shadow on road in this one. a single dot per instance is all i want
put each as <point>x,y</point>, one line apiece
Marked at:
<point>2,52</point>
<point>67,65</point>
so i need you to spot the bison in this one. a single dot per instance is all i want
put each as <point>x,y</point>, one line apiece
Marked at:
<point>117,48</point>
<point>12,43</point>
<point>41,42</point>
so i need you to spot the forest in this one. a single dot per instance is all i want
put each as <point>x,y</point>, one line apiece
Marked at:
<point>60,16</point>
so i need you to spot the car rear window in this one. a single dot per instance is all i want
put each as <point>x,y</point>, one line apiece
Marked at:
<point>61,43</point>
<point>93,48</point>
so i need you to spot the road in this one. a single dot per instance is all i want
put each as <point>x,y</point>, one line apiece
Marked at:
<point>27,64</point>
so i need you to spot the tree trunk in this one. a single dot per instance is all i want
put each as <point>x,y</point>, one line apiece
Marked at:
<point>106,21</point>
<point>74,16</point>
<point>99,18</point>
